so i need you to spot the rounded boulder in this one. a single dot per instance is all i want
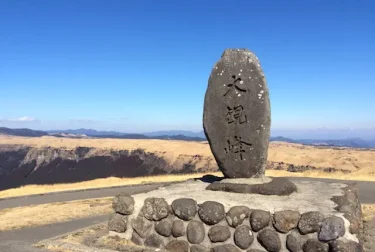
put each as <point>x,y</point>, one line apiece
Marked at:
<point>243,237</point>
<point>211,212</point>
<point>184,208</point>
<point>123,203</point>
<point>199,248</point>
<point>225,248</point>
<point>164,228</point>
<point>141,226</point>
<point>270,240</point>
<point>284,221</point>
<point>293,243</point>
<point>312,245</point>
<point>332,228</point>
<point>236,215</point>
<point>154,241</point>
<point>195,232</point>
<point>155,209</point>
<point>310,222</point>
<point>345,246</point>
<point>177,246</point>
<point>219,233</point>
<point>118,223</point>
<point>178,228</point>
<point>259,219</point>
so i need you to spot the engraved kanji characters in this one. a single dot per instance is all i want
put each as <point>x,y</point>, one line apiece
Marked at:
<point>235,85</point>
<point>237,147</point>
<point>235,115</point>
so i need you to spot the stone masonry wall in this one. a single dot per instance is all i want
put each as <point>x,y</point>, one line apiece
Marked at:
<point>187,226</point>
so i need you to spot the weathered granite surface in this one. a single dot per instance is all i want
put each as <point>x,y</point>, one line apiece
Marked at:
<point>277,186</point>
<point>237,117</point>
<point>350,205</point>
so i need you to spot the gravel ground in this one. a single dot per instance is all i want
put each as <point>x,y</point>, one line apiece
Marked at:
<point>368,236</point>
<point>92,239</point>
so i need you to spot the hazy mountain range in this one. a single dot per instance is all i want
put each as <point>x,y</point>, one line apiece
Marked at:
<point>184,135</point>
<point>22,132</point>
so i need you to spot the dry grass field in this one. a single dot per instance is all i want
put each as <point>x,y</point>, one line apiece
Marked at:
<point>358,162</point>
<point>38,215</point>
<point>349,159</point>
<point>93,237</point>
<point>368,212</point>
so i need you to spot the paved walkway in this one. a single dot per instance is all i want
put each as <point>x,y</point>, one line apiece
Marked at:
<point>366,188</point>
<point>75,195</point>
<point>21,240</point>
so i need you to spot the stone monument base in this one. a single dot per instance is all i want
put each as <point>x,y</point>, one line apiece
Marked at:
<point>265,186</point>
<point>186,217</point>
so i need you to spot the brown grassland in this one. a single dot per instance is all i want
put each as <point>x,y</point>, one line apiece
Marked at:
<point>349,159</point>
<point>359,163</point>
<point>37,215</point>
<point>368,212</point>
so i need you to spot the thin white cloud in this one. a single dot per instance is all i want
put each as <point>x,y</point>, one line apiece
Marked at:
<point>19,119</point>
<point>81,120</point>
<point>118,118</point>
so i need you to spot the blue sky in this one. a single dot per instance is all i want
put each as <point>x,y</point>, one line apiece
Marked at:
<point>139,66</point>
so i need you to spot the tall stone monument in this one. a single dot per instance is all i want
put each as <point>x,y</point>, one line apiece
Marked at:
<point>246,211</point>
<point>236,116</point>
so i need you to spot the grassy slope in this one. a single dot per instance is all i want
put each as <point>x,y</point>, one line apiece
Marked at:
<point>345,158</point>
<point>361,163</point>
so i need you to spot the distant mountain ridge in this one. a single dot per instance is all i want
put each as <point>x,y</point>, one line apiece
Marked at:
<point>175,133</point>
<point>178,135</point>
<point>350,142</point>
<point>22,132</point>
<point>92,132</point>
<point>88,132</point>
